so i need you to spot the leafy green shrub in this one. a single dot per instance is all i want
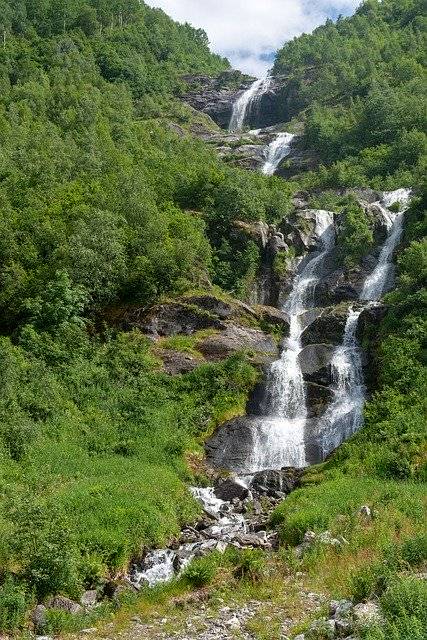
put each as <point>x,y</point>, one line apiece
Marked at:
<point>13,605</point>
<point>405,597</point>
<point>414,550</point>
<point>201,571</point>
<point>355,235</point>
<point>370,581</point>
<point>249,564</point>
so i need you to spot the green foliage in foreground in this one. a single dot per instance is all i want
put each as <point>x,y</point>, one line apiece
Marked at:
<point>404,605</point>
<point>108,431</point>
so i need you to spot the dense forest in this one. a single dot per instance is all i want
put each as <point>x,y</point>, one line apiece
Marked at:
<point>103,204</point>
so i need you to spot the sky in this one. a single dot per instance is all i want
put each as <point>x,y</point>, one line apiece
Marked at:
<point>248,32</point>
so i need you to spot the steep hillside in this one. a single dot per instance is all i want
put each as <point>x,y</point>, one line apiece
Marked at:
<point>140,249</point>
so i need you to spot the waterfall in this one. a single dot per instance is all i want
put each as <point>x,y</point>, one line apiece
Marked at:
<point>245,103</point>
<point>282,431</point>
<point>285,386</point>
<point>276,152</point>
<point>345,415</point>
<point>375,284</point>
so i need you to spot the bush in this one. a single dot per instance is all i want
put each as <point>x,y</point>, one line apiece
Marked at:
<point>201,571</point>
<point>249,564</point>
<point>13,605</point>
<point>369,581</point>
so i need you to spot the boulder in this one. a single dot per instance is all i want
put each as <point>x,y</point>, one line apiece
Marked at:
<point>89,598</point>
<point>339,609</point>
<point>367,613</point>
<point>230,488</point>
<point>177,362</point>
<point>271,482</point>
<point>38,616</point>
<point>65,604</point>
<point>236,338</point>
<point>324,629</point>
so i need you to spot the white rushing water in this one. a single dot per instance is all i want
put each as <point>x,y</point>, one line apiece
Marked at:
<point>246,102</point>
<point>286,397</point>
<point>285,403</point>
<point>161,565</point>
<point>276,152</point>
<point>279,437</point>
<point>345,415</point>
<point>376,282</point>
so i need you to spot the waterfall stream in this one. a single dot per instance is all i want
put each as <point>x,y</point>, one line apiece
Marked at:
<point>345,415</point>
<point>276,152</point>
<point>376,282</point>
<point>246,102</point>
<point>285,404</point>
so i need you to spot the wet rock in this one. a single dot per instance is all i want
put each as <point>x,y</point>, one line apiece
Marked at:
<point>216,96</point>
<point>327,328</point>
<point>270,482</point>
<point>300,230</point>
<point>318,397</point>
<point>315,357</point>
<point>229,489</point>
<point>235,338</point>
<point>233,445</point>
<point>367,613</point>
<point>65,604</point>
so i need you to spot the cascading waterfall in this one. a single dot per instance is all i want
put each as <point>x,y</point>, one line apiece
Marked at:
<point>246,103</point>
<point>280,439</point>
<point>345,415</point>
<point>375,283</point>
<point>276,152</point>
<point>285,387</point>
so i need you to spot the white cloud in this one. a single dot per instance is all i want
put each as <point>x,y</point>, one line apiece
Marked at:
<point>244,30</point>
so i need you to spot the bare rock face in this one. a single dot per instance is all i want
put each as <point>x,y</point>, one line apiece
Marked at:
<point>216,96</point>
<point>171,319</point>
<point>235,338</point>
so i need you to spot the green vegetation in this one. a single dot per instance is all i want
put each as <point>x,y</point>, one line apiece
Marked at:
<point>104,203</point>
<point>361,83</point>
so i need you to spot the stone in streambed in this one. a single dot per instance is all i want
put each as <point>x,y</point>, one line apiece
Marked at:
<point>230,488</point>
<point>270,482</point>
